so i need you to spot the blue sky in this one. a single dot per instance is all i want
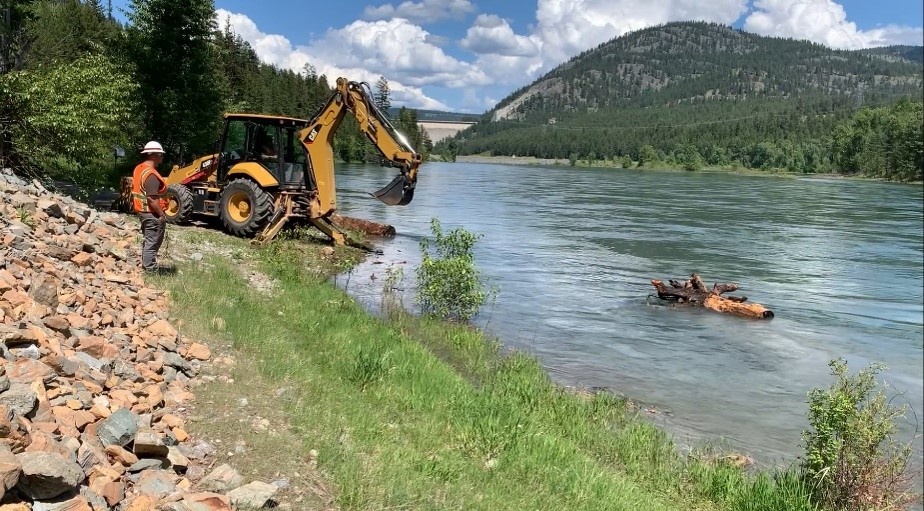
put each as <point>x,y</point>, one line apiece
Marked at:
<point>466,55</point>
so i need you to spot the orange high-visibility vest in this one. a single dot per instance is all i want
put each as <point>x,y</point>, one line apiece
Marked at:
<point>139,196</point>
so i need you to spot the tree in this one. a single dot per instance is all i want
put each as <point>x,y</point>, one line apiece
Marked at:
<point>14,18</point>
<point>70,116</point>
<point>382,95</point>
<point>60,32</point>
<point>169,42</point>
<point>647,155</point>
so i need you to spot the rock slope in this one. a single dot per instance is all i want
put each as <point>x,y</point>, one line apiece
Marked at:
<point>94,378</point>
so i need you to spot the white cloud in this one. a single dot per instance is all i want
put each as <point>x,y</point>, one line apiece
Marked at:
<point>363,51</point>
<point>492,35</point>
<point>568,27</point>
<point>825,22</point>
<point>426,11</point>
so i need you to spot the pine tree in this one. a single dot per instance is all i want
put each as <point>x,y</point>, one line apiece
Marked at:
<point>382,95</point>
<point>169,42</point>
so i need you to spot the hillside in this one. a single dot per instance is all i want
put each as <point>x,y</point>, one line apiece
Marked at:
<point>703,84</point>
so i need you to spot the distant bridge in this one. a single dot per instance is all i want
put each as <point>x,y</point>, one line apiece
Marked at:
<point>438,130</point>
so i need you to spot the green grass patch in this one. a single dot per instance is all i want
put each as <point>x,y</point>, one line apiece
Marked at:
<point>411,413</point>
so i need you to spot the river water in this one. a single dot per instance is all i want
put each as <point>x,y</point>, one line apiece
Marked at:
<point>572,252</point>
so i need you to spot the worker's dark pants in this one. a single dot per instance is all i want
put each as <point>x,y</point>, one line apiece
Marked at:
<point>152,231</point>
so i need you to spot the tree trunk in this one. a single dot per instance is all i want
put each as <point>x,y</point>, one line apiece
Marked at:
<point>358,224</point>
<point>695,293</point>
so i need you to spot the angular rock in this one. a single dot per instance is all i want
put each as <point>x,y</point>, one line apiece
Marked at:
<point>19,398</point>
<point>29,370</point>
<point>207,501</point>
<point>199,352</point>
<point>44,290</point>
<point>146,464</point>
<point>149,444</point>
<point>77,503</point>
<point>46,475</point>
<point>156,483</point>
<point>119,429</point>
<point>254,495</point>
<point>223,479</point>
<point>10,469</point>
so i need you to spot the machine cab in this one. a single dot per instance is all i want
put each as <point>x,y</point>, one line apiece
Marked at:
<point>268,141</point>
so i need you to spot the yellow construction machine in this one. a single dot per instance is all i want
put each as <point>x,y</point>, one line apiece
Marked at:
<point>270,169</point>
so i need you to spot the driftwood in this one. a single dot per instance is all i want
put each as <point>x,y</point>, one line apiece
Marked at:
<point>368,227</point>
<point>694,292</point>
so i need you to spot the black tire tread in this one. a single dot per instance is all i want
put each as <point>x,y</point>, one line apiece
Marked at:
<point>185,198</point>
<point>262,208</point>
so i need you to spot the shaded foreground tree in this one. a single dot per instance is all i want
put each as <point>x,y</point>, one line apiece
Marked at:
<point>169,43</point>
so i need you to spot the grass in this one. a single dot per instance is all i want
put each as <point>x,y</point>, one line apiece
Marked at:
<point>410,413</point>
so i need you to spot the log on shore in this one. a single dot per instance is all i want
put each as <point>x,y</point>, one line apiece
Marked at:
<point>368,227</point>
<point>695,293</point>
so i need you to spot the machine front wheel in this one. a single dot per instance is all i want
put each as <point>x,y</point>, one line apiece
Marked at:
<point>179,204</point>
<point>245,207</point>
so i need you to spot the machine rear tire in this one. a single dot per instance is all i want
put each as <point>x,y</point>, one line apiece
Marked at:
<point>245,207</point>
<point>179,204</point>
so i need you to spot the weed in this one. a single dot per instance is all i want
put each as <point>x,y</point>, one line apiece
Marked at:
<point>372,365</point>
<point>24,216</point>
<point>852,460</point>
<point>449,284</point>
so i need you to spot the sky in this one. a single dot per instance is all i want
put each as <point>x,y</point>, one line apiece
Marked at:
<point>466,55</point>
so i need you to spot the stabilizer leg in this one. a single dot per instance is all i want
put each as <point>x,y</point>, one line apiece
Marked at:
<point>281,212</point>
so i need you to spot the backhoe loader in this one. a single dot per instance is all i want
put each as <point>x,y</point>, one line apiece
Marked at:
<point>271,169</point>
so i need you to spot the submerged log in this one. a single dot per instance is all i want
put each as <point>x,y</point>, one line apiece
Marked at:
<point>695,293</point>
<point>368,227</point>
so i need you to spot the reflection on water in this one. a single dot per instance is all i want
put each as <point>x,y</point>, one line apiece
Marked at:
<point>572,252</point>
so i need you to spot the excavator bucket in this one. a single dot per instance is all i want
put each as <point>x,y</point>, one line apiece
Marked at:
<point>397,193</point>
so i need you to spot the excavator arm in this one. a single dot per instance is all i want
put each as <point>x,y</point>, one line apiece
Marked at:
<point>355,98</point>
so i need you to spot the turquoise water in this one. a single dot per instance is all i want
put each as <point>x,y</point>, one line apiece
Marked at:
<point>573,251</point>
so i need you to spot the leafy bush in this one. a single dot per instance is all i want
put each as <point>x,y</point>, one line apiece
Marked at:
<point>449,284</point>
<point>68,118</point>
<point>852,461</point>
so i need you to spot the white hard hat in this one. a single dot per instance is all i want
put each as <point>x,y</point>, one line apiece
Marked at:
<point>152,147</point>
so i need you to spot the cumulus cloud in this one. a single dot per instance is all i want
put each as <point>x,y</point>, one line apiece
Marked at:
<point>426,11</point>
<point>825,22</point>
<point>364,51</point>
<point>492,35</point>
<point>568,27</point>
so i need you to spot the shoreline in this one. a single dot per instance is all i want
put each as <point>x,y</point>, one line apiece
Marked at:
<point>600,164</point>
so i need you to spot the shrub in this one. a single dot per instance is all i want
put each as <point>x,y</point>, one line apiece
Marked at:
<point>449,285</point>
<point>852,461</point>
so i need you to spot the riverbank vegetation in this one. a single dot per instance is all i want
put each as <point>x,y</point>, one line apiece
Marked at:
<point>422,413</point>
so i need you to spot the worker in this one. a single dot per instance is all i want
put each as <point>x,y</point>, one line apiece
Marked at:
<point>266,146</point>
<point>147,187</point>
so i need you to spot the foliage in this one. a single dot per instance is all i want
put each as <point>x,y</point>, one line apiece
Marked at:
<point>63,31</point>
<point>14,35</point>
<point>852,461</point>
<point>169,43</point>
<point>449,285</point>
<point>69,117</point>
<point>886,142</point>
<point>382,95</point>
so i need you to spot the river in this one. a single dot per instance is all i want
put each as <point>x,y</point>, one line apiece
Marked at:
<point>572,252</point>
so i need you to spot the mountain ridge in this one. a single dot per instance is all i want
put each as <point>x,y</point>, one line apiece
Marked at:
<point>710,60</point>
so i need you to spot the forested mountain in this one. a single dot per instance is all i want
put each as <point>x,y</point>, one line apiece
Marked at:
<point>699,92</point>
